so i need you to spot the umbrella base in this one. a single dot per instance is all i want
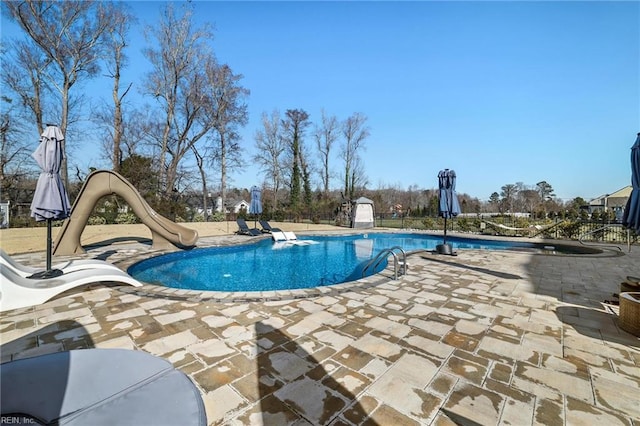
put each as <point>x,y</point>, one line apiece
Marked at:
<point>49,273</point>
<point>445,249</point>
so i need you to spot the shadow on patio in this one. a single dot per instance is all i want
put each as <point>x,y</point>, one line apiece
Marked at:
<point>294,384</point>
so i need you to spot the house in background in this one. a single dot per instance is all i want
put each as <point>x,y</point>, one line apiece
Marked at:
<point>231,206</point>
<point>611,202</point>
<point>235,206</point>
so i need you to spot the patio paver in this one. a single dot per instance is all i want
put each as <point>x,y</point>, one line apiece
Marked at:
<point>487,337</point>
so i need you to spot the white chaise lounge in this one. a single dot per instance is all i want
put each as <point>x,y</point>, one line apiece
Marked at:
<point>17,291</point>
<point>290,236</point>
<point>70,266</point>
<point>278,236</point>
<point>284,238</point>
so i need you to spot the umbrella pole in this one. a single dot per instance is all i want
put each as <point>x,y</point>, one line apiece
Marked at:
<point>445,248</point>
<point>444,240</point>
<point>48,272</point>
<point>49,242</point>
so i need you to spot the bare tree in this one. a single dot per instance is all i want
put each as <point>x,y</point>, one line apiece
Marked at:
<point>225,110</point>
<point>13,147</point>
<point>530,199</point>
<point>354,131</point>
<point>200,163</point>
<point>135,131</point>
<point>294,126</point>
<point>69,35</point>
<point>271,147</point>
<point>357,179</point>
<point>115,43</point>
<point>24,69</point>
<point>326,135</point>
<point>177,82</point>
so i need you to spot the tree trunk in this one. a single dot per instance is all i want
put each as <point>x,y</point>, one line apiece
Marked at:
<point>117,123</point>
<point>63,126</point>
<point>203,176</point>
<point>223,173</point>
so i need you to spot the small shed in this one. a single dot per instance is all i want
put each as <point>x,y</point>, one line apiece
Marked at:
<point>362,213</point>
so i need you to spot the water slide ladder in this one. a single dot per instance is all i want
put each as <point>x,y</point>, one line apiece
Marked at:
<point>399,266</point>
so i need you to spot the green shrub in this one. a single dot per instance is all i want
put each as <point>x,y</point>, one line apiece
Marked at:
<point>126,218</point>
<point>569,229</point>
<point>217,217</point>
<point>464,225</point>
<point>550,232</point>
<point>277,216</point>
<point>428,223</point>
<point>96,220</point>
<point>109,216</point>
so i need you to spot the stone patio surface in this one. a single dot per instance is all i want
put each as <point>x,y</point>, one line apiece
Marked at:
<point>486,337</point>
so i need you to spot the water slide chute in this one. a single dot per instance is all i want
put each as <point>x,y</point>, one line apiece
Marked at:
<point>100,183</point>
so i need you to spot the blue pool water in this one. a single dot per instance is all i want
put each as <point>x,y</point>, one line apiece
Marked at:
<point>266,265</point>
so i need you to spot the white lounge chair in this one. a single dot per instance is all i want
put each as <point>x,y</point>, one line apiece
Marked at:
<point>283,236</point>
<point>278,236</point>
<point>17,291</point>
<point>290,236</point>
<point>288,239</point>
<point>70,266</point>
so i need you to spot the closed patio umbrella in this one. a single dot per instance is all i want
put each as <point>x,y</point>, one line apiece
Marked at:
<point>255,207</point>
<point>50,200</point>
<point>448,205</point>
<point>631,216</point>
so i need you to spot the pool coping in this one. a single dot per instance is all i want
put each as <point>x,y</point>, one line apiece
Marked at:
<point>291,294</point>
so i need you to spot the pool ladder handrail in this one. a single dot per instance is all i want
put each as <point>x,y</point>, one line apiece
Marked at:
<point>383,255</point>
<point>604,244</point>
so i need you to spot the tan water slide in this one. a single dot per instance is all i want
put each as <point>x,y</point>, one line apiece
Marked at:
<point>105,182</point>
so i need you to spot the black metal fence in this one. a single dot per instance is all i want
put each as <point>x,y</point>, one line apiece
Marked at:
<point>573,229</point>
<point>570,229</point>
<point>514,226</point>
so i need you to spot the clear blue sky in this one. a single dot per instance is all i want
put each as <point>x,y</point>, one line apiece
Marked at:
<point>501,92</point>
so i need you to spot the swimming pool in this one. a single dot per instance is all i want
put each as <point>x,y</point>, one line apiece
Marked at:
<point>265,265</point>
